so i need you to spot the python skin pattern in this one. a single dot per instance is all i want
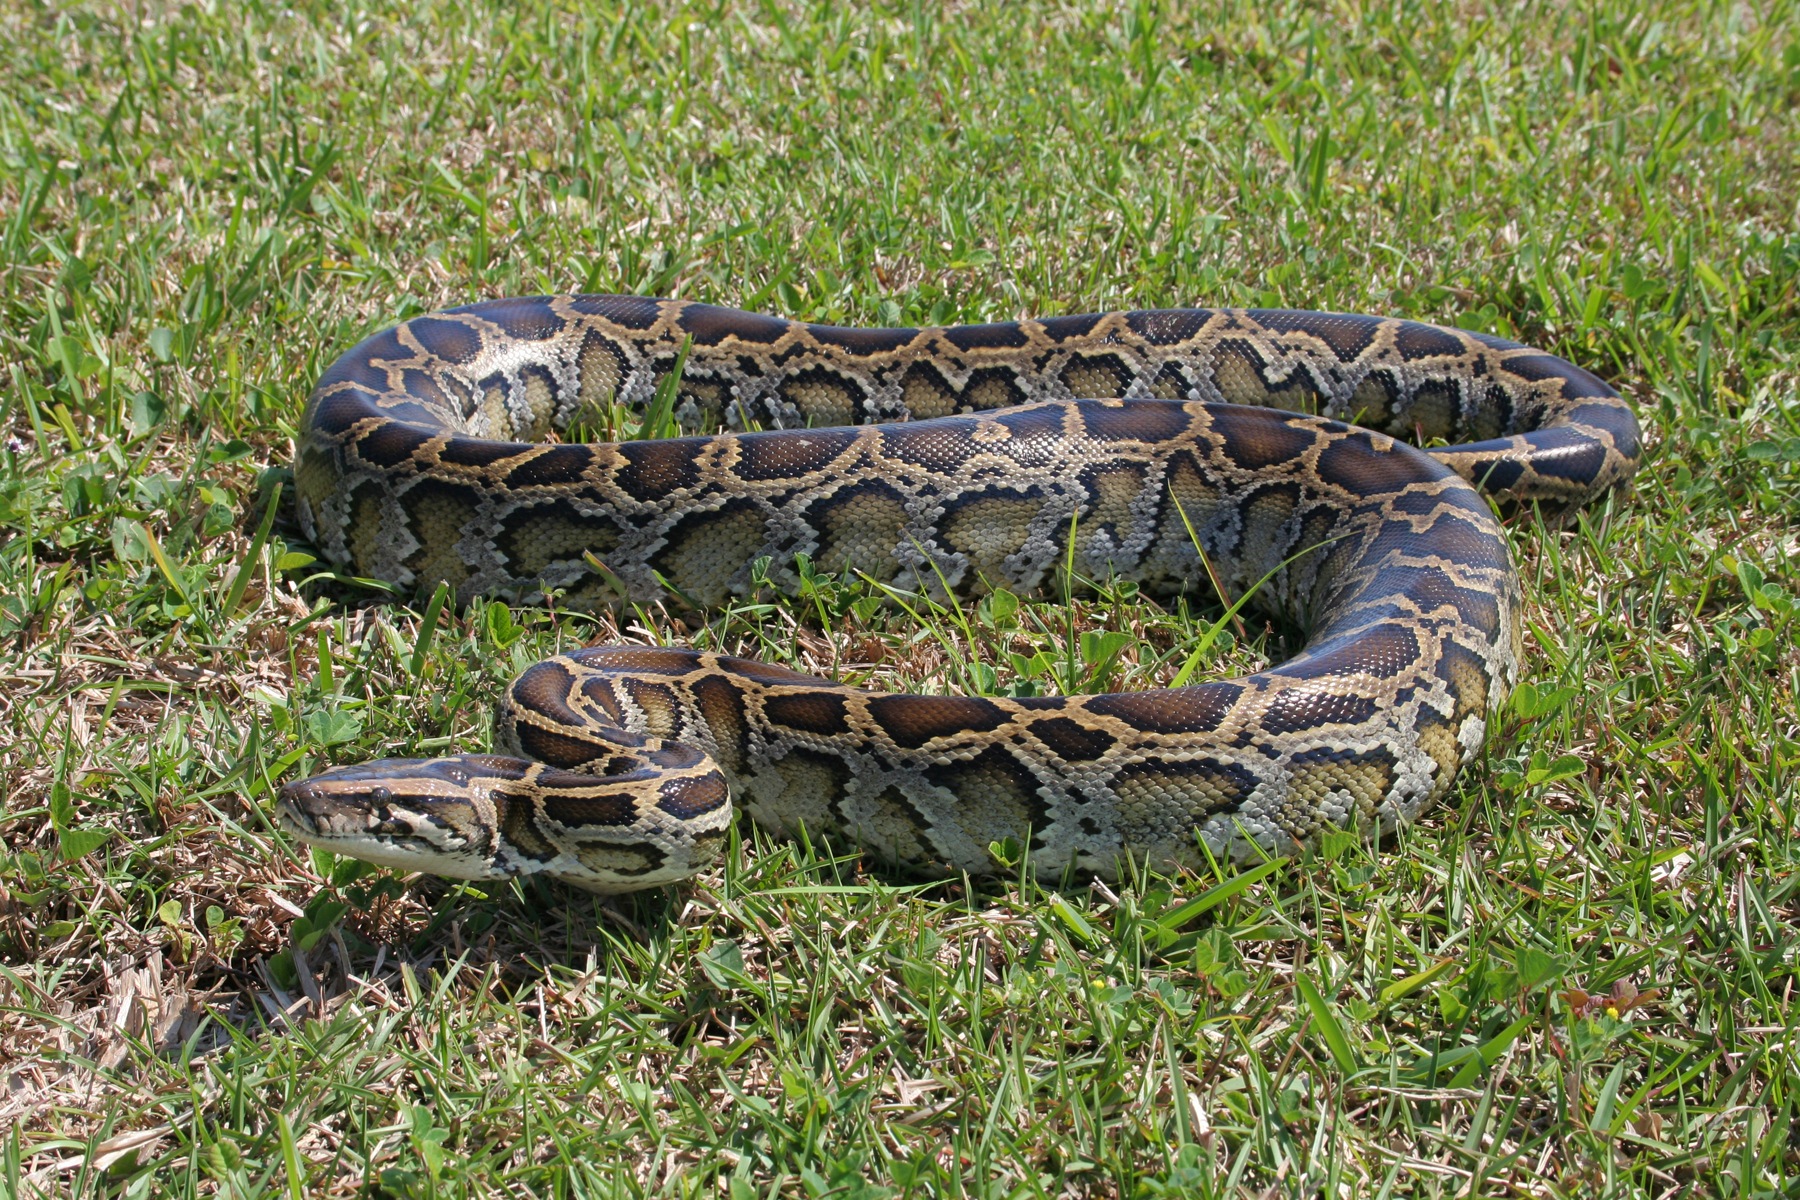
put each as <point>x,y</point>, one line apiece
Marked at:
<point>950,460</point>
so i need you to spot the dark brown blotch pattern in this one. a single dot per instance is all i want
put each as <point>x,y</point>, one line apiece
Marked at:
<point>1200,709</point>
<point>790,455</point>
<point>1415,341</point>
<point>1072,741</point>
<point>651,471</point>
<point>1255,440</point>
<point>518,825</point>
<point>822,714</point>
<point>550,466</point>
<point>1348,334</point>
<point>391,444</point>
<point>453,341</point>
<point>912,721</point>
<point>575,800</point>
<point>712,326</point>
<point>690,796</point>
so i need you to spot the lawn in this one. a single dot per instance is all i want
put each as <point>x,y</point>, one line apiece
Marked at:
<point>1573,980</point>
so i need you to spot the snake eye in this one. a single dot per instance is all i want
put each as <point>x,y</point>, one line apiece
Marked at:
<point>380,795</point>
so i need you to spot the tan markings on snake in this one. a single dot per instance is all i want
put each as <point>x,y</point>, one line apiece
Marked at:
<point>962,459</point>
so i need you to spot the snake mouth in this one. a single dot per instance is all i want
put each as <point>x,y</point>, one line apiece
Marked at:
<point>291,813</point>
<point>324,814</point>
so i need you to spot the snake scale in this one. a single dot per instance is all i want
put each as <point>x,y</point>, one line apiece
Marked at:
<point>953,460</point>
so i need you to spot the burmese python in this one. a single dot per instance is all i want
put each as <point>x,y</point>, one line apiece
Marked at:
<point>421,459</point>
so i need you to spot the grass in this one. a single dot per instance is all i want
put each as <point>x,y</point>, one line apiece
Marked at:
<point>1574,981</point>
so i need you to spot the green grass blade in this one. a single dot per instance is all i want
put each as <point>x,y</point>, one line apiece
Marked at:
<point>1325,1020</point>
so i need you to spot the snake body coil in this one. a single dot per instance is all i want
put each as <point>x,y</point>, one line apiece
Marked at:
<point>955,459</point>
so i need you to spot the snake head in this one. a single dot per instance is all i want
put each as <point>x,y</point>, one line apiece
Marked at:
<point>442,815</point>
<point>647,818</point>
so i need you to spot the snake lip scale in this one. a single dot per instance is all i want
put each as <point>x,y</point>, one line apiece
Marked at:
<point>954,460</point>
